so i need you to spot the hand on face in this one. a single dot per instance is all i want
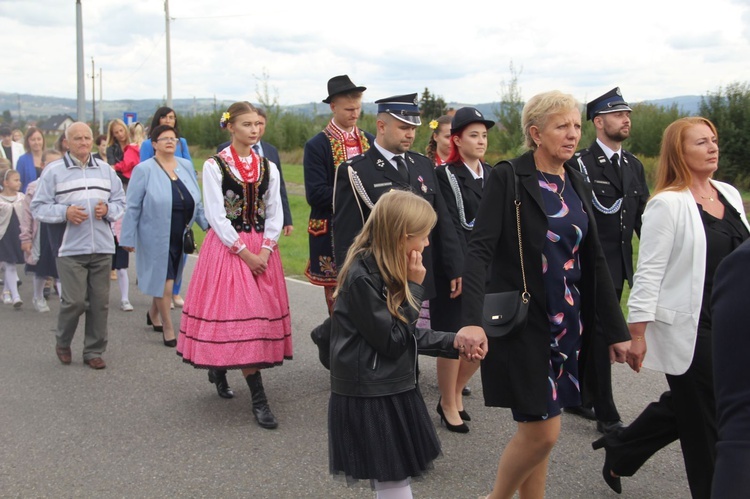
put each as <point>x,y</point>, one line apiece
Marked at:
<point>415,271</point>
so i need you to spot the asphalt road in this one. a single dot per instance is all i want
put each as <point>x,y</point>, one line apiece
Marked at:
<point>151,426</point>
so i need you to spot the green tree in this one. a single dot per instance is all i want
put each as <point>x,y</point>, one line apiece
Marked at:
<point>431,106</point>
<point>508,114</point>
<point>7,118</point>
<point>648,124</point>
<point>729,109</point>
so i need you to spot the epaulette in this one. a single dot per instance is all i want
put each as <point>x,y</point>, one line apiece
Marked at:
<point>355,159</point>
<point>582,152</point>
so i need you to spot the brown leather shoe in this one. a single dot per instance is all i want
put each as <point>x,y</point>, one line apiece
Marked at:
<point>63,353</point>
<point>95,363</point>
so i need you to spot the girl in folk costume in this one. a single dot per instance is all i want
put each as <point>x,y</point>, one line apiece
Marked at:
<point>11,211</point>
<point>439,147</point>
<point>236,313</point>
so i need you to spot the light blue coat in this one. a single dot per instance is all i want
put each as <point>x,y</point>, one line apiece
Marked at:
<point>147,220</point>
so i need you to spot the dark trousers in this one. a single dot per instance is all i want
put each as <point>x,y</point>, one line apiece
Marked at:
<point>604,402</point>
<point>687,412</point>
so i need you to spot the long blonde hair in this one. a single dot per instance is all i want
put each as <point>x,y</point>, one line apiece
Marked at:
<point>673,172</point>
<point>396,215</point>
<point>111,135</point>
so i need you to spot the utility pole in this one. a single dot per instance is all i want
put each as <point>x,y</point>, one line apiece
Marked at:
<point>19,107</point>
<point>101,107</point>
<point>79,58</point>
<point>169,55</point>
<point>93,95</point>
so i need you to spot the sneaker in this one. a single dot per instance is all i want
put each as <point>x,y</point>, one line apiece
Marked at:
<point>6,298</point>
<point>125,306</point>
<point>17,303</point>
<point>40,305</point>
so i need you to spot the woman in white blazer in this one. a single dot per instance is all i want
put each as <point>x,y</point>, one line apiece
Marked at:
<point>690,224</point>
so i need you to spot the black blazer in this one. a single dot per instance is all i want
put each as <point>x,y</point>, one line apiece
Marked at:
<point>616,229</point>
<point>514,373</point>
<point>272,154</point>
<point>731,348</point>
<point>445,312</point>
<point>378,176</point>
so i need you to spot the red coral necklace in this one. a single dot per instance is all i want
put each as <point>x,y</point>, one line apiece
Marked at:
<point>248,169</point>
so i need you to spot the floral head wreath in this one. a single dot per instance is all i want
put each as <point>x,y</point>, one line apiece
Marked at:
<point>224,119</point>
<point>434,124</point>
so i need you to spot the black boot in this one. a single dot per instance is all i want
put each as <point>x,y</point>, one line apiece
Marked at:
<point>261,411</point>
<point>219,378</point>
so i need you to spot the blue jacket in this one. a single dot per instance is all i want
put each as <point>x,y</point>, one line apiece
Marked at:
<point>148,216</point>
<point>65,184</point>
<point>26,169</point>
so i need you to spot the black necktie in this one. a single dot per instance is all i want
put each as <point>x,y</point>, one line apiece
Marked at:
<point>256,148</point>
<point>616,163</point>
<point>402,168</point>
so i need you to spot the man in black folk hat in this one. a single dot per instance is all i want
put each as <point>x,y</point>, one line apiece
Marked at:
<point>620,195</point>
<point>389,164</point>
<point>339,141</point>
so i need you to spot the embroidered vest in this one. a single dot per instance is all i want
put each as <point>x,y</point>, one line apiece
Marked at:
<point>244,203</point>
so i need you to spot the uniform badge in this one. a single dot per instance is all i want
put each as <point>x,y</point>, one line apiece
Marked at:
<point>602,160</point>
<point>379,163</point>
<point>410,159</point>
<point>421,181</point>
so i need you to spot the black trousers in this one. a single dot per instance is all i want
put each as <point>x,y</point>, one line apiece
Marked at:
<point>687,412</point>
<point>604,402</point>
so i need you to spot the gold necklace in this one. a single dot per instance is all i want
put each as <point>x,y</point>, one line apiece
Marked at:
<point>559,194</point>
<point>710,198</point>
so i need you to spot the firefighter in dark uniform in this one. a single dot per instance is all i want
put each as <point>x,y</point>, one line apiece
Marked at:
<point>387,165</point>
<point>620,195</point>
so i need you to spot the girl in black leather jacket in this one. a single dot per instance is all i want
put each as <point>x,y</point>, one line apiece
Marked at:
<point>379,427</point>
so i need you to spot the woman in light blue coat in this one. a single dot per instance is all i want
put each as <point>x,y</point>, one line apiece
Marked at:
<point>163,202</point>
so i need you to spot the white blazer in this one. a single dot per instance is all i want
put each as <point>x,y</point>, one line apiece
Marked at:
<point>668,283</point>
<point>16,149</point>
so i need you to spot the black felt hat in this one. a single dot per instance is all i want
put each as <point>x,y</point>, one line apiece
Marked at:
<point>466,116</point>
<point>340,85</point>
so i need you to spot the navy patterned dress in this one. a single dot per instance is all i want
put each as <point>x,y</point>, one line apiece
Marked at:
<point>561,267</point>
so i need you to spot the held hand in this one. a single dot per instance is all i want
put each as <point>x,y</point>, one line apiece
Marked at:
<point>471,342</point>
<point>26,247</point>
<point>129,249</point>
<point>254,262</point>
<point>76,214</point>
<point>288,230</point>
<point>415,271</point>
<point>100,210</point>
<point>264,255</point>
<point>456,287</point>
<point>618,352</point>
<point>637,353</point>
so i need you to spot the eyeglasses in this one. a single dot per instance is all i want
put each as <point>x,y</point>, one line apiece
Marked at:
<point>167,139</point>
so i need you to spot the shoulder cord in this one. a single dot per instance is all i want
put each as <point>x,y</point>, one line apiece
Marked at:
<point>597,204</point>
<point>459,201</point>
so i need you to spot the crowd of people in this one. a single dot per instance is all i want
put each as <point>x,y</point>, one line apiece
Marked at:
<point>408,249</point>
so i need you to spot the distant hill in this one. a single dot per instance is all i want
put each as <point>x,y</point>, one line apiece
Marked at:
<point>39,107</point>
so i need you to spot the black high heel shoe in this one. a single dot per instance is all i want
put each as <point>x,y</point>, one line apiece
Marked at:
<point>157,328</point>
<point>464,416</point>
<point>219,378</point>
<point>168,343</point>
<point>456,428</point>
<point>613,481</point>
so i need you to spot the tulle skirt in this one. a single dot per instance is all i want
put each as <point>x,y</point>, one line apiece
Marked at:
<point>232,319</point>
<point>387,438</point>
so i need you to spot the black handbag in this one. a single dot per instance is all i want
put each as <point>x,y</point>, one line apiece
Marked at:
<point>505,314</point>
<point>188,242</point>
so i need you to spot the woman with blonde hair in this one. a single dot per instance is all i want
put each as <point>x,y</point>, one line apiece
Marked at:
<point>547,365</point>
<point>374,344</point>
<point>122,153</point>
<point>689,225</point>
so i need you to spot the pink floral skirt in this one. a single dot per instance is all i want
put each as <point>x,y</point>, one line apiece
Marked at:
<point>232,319</point>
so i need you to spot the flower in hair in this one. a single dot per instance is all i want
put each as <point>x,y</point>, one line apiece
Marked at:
<point>433,124</point>
<point>224,119</point>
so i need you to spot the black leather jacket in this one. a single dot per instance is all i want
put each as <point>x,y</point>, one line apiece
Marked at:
<point>373,354</point>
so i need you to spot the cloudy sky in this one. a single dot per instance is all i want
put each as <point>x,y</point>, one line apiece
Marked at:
<point>460,51</point>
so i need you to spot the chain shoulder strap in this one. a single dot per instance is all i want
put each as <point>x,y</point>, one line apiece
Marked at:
<point>525,296</point>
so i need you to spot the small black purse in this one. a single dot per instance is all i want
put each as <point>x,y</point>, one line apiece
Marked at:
<point>506,313</point>
<point>188,242</point>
